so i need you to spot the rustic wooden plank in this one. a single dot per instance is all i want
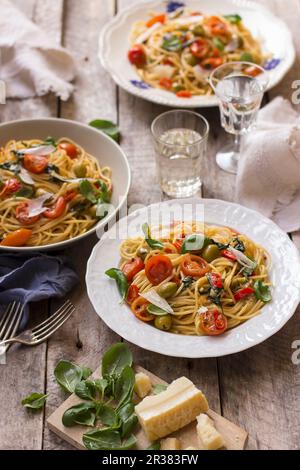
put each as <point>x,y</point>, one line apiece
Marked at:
<point>25,369</point>
<point>84,338</point>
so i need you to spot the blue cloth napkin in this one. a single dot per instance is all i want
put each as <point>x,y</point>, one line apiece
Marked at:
<point>35,277</point>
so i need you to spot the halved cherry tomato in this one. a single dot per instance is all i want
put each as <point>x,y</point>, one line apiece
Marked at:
<point>70,149</point>
<point>217,27</point>
<point>22,216</point>
<point>57,210</point>
<point>212,62</point>
<point>137,56</point>
<point>215,280</point>
<point>242,293</point>
<point>18,238</point>
<point>168,62</point>
<point>70,195</point>
<point>139,308</point>
<point>156,19</point>
<point>229,255</point>
<point>252,71</point>
<point>132,294</point>
<point>196,13</point>
<point>213,322</point>
<point>158,268</point>
<point>195,266</point>
<point>178,244</point>
<point>166,83</point>
<point>200,48</point>
<point>35,163</point>
<point>184,94</point>
<point>10,186</point>
<point>133,267</point>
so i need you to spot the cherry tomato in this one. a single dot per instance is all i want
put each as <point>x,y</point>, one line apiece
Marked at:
<point>156,19</point>
<point>196,13</point>
<point>217,27</point>
<point>227,254</point>
<point>70,149</point>
<point>22,215</point>
<point>215,280</point>
<point>178,244</point>
<point>213,322</point>
<point>133,267</point>
<point>184,94</point>
<point>166,83</point>
<point>57,210</point>
<point>158,268</point>
<point>200,48</point>
<point>137,56</point>
<point>168,62</point>
<point>70,195</point>
<point>194,266</point>
<point>139,308</point>
<point>132,294</point>
<point>18,238</point>
<point>35,163</point>
<point>212,62</point>
<point>252,71</point>
<point>10,186</point>
<point>242,293</point>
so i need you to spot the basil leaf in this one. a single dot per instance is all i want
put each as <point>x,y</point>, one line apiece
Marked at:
<point>157,389</point>
<point>154,244</point>
<point>193,242</point>
<point>121,280</point>
<point>219,44</point>
<point>116,359</point>
<point>87,191</point>
<point>50,141</point>
<point>246,57</point>
<point>27,192</point>
<point>262,291</point>
<point>101,385</point>
<point>187,282</point>
<point>128,419</point>
<point>107,439</point>
<point>86,372</point>
<point>83,413</point>
<point>124,386</point>
<point>35,401</point>
<point>12,167</point>
<point>154,310</point>
<point>86,390</point>
<point>68,375</point>
<point>108,127</point>
<point>234,19</point>
<point>154,446</point>
<point>172,44</point>
<point>239,245</point>
<point>107,415</point>
<point>105,196</point>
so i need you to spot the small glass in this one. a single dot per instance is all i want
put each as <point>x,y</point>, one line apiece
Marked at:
<point>180,143</point>
<point>240,87</point>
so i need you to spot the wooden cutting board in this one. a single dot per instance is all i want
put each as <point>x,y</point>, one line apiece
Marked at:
<point>234,437</point>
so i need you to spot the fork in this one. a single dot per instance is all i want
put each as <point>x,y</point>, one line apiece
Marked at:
<point>10,321</point>
<point>44,330</point>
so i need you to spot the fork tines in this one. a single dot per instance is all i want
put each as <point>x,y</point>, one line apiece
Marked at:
<point>53,323</point>
<point>10,320</point>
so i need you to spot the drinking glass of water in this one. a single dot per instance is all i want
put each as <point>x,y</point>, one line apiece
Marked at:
<point>180,143</point>
<point>240,87</point>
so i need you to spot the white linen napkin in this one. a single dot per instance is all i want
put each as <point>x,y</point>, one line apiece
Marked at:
<point>31,64</point>
<point>268,178</point>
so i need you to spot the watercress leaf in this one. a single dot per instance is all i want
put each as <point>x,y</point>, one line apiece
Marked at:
<point>154,244</point>
<point>154,446</point>
<point>116,359</point>
<point>157,389</point>
<point>172,43</point>
<point>101,385</point>
<point>262,291</point>
<point>87,191</point>
<point>121,280</point>
<point>235,19</point>
<point>86,389</point>
<point>193,242</point>
<point>107,127</point>
<point>107,439</point>
<point>83,413</point>
<point>107,415</point>
<point>86,372</point>
<point>124,386</point>
<point>68,375</point>
<point>35,401</point>
<point>128,419</point>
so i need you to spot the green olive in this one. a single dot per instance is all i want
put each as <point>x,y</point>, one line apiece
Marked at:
<point>93,211</point>
<point>191,59</point>
<point>210,253</point>
<point>176,87</point>
<point>167,290</point>
<point>199,30</point>
<point>163,323</point>
<point>80,170</point>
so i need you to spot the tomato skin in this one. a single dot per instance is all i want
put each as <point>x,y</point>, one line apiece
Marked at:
<point>10,186</point>
<point>242,293</point>
<point>166,83</point>
<point>36,164</point>
<point>217,27</point>
<point>200,48</point>
<point>252,71</point>
<point>18,238</point>
<point>213,322</point>
<point>178,244</point>
<point>194,266</point>
<point>212,62</point>
<point>69,196</point>
<point>158,268</point>
<point>215,280</point>
<point>22,215</point>
<point>227,254</point>
<point>133,267</point>
<point>156,19</point>
<point>168,62</point>
<point>139,308</point>
<point>57,210</point>
<point>184,94</point>
<point>136,56</point>
<point>132,294</point>
<point>70,149</point>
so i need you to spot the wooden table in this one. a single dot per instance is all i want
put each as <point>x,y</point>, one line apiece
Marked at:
<point>258,389</point>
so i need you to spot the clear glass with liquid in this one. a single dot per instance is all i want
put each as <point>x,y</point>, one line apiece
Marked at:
<point>180,142</point>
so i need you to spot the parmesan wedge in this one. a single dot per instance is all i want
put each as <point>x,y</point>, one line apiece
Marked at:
<point>208,436</point>
<point>170,443</point>
<point>142,384</point>
<point>191,448</point>
<point>179,405</point>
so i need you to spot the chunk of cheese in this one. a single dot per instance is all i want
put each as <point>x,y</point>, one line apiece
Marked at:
<point>170,443</point>
<point>208,436</point>
<point>191,448</point>
<point>179,405</point>
<point>142,384</point>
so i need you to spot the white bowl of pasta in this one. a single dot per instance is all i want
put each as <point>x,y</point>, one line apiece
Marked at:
<point>164,51</point>
<point>198,290</point>
<point>60,181</point>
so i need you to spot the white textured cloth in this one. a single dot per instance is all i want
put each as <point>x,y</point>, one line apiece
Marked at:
<point>268,178</point>
<point>31,64</point>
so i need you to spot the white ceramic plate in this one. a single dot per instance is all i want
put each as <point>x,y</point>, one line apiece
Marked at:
<point>95,142</point>
<point>269,29</point>
<point>285,277</point>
